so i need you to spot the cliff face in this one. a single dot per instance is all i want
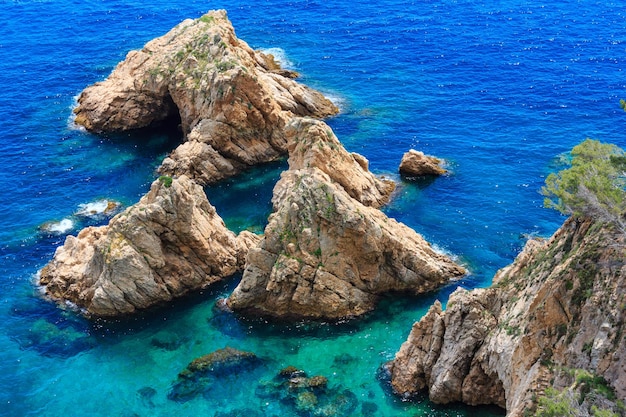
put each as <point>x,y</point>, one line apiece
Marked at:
<point>327,252</point>
<point>233,102</point>
<point>557,310</point>
<point>168,244</point>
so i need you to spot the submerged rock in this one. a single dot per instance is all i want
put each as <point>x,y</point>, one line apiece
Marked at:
<point>146,395</point>
<point>168,340</point>
<point>243,412</point>
<point>554,314</point>
<point>206,370</point>
<point>232,102</point>
<point>327,253</point>
<point>168,244</point>
<point>298,394</point>
<point>416,164</point>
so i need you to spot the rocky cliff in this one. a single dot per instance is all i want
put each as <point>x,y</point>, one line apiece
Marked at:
<point>551,327</point>
<point>327,251</point>
<point>232,102</point>
<point>168,244</point>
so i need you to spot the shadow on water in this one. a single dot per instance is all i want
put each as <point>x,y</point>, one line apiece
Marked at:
<point>41,326</point>
<point>155,140</point>
<point>389,306</point>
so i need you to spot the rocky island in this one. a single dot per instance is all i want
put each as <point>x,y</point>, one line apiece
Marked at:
<point>327,252</point>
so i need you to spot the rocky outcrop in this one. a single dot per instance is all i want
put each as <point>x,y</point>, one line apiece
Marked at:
<point>416,164</point>
<point>232,102</point>
<point>556,312</point>
<point>168,244</point>
<point>327,252</point>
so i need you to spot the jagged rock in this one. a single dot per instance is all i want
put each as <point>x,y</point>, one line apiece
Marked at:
<point>232,102</point>
<point>313,144</point>
<point>325,253</point>
<point>416,164</point>
<point>168,244</point>
<point>559,306</point>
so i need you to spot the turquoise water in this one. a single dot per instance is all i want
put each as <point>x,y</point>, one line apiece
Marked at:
<point>497,89</point>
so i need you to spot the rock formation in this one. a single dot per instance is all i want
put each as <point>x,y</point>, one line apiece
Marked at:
<point>232,102</point>
<point>416,164</point>
<point>327,252</point>
<point>553,315</point>
<point>168,244</point>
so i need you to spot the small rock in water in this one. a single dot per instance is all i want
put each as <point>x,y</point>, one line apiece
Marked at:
<point>416,164</point>
<point>291,372</point>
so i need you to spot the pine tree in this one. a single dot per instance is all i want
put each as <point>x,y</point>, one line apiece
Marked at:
<point>593,186</point>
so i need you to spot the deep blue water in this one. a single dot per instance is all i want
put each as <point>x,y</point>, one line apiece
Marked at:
<point>497,89</point>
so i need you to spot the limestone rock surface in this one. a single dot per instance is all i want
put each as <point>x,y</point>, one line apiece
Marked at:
<point>557,311</point>
<point>416,164</point>
<point>232,102</point>
<point>168,244</point>
<point>327,251</point>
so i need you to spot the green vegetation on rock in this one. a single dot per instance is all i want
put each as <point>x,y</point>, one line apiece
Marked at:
<point>593,186</point>
<point>166,180</point>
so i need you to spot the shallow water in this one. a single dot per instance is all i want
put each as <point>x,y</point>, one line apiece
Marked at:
<point>497,90</point>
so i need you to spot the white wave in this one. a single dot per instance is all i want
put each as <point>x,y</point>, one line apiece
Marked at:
<point>336,99</point>
<point>71,119</point>
<point>97,208</point>
<point>280,56</point>
<point>61,227</point>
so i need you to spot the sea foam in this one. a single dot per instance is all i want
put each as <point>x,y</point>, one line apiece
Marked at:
<point>58,228</point>
<point>98,208</point>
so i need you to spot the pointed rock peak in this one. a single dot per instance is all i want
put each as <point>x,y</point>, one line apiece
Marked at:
<point>327,256</point>
<point>313,144</point>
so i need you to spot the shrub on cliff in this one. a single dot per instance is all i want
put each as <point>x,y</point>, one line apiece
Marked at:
<point>593,186</point>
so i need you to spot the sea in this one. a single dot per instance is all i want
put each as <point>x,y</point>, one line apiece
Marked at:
<point>498,89</point>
